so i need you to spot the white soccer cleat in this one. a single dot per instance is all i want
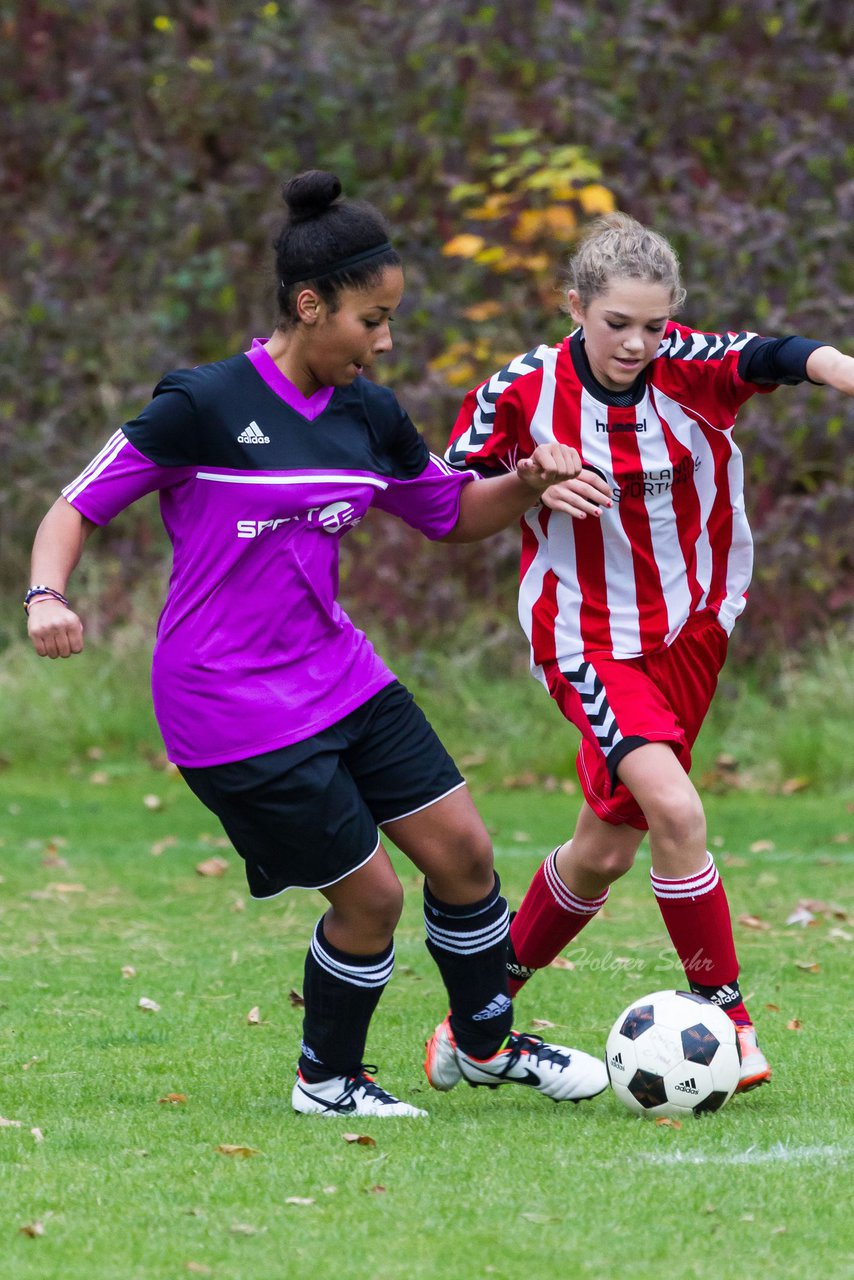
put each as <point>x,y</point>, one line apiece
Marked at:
<point>440,1063</point>
<point>754,1065</point>
<point>358,1095</point>
<point>566,1075</point>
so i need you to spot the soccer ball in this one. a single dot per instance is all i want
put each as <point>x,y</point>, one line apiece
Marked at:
<point>673,1054</point>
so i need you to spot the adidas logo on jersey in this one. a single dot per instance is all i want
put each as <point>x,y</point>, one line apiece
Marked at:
<point>253,435</point>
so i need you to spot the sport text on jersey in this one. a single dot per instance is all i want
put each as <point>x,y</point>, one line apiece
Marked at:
<point>646,484</point>
<point>335,517</point>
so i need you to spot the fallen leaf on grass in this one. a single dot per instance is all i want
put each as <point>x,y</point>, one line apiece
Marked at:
<point>793,1025</point>
<point>199,1269</point>
<point>295,998</point>
<point>152,802</point>
<point>174,1098</point>
<point>801,915</point>
<point>10,1124</point>
<point>730,860</point>
<point>374,1191</point>
<point>763,846</point>
<point>753,922</point>
<point>521,837</point>
<point>299,1200</point>
<point>793,785</point>
<point>540,1023</point>
<point>160,846</point>
<point>841,837</point>
<point>230,1149</point>
<point>99,778</point>
<point>840,935</point>
<point>243,1229</point>
<point>773,1008</point>
<point>32,1229</point>
<point>808,966</point>
<point>128,971</point>
<point>253,1017</point>
<point>66,888</point>
<point>361,1139</point>
<point>215,866</point>
<point>665,1122</point>
<point>473,760</point>
<point>38,1136</point>
<point>561,962</point>
<point>148,1006</point>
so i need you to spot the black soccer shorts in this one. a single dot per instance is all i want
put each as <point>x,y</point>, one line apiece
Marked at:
<point>307,815</point>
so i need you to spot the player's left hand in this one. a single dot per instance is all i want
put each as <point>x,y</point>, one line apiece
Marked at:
<point>549,464</point>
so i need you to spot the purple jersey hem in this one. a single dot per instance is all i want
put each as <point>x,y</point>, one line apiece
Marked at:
<point>366,692</point>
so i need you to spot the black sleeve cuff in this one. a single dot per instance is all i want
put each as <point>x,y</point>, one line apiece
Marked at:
<point>777,360</point>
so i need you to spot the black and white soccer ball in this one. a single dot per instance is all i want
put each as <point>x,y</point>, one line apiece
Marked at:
<point>674,1054</point>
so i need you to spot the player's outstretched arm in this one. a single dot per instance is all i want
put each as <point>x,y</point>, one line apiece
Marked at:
<point>833,368</point>
<point>54,628</point>
<point>491,505</point>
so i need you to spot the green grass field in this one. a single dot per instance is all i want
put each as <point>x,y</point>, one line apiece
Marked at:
<point>102,1179</point>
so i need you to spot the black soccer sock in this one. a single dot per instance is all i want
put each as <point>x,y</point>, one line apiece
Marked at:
<point>469,944</point>
<point>341,992</point>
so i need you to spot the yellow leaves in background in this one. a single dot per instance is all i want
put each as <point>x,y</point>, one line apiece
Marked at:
<point>464,246</point>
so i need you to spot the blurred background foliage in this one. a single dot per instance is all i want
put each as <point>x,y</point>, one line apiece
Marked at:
<point>142,146</point>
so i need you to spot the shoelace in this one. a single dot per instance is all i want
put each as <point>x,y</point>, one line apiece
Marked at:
<point>535,1045</point>
<point>364,1081</point>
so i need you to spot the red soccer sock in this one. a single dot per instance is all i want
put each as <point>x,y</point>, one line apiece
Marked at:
<point>548,919</point>
<point>696,914</point>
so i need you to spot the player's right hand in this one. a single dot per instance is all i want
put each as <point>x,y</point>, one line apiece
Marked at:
<point>56,631</point>
<point>587,494</point>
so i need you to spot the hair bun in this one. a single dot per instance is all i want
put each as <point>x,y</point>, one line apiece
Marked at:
<point>310,193</point>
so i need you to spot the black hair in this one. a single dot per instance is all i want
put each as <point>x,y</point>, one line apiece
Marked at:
<point>320,231</point>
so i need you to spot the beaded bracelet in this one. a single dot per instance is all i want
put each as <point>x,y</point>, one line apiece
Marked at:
<point>38,591</point>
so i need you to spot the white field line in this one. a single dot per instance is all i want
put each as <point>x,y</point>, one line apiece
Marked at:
<point>781,1153</point>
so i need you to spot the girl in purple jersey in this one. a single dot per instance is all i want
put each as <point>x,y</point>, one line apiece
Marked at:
<point>280,715</point>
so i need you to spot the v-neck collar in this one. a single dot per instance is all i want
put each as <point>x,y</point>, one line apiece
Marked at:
<point>309,407</point>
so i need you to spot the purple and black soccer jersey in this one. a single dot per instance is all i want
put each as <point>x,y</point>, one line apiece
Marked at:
<point>257,484</point>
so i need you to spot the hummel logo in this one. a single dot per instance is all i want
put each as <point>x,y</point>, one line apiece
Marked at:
<point>687,1086</point>
<point>253,435</point>
<point>617,1061</point>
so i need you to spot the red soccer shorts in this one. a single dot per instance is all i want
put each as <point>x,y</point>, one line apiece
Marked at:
<point>619,704</point>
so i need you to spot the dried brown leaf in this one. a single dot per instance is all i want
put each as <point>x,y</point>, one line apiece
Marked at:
<point>253,1017</point>
<point>174,1098</point>
<point>295,998</point>
<point>539,1024</point>
<point>793,1025</point>
<point>128,971</point>
<point>840,935</point>
<point>801,915</point>
<point>561,962</point>
<point>160,846</point>
<point>32,1229</point>
<point>753,922</point>
<point>773,1008</point>
<point>231,1149</point>
<point>665,1122</point>
<point>148,1006</point>
<point>793,785</point>
<point>763,846</point>
<point>375,1191</point>
<point>808,966</point>
<point>360,1139</point>
<point>216,866</point>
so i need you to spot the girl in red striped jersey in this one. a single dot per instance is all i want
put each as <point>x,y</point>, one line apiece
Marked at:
<point>632,577</point>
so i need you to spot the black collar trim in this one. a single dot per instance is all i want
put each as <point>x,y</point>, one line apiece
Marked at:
<point>616,399</point>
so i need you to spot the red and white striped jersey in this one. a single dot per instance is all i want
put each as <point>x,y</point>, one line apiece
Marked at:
<point>675,541</point>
